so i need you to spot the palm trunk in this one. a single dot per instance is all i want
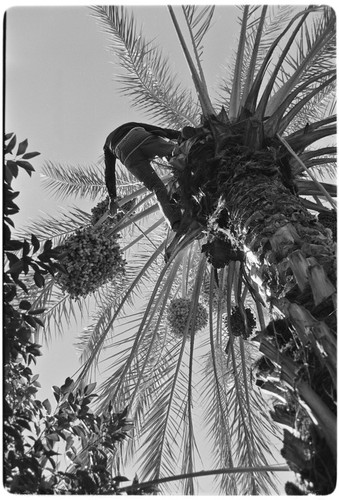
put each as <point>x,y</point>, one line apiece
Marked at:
<point>252,213</point>
<point>293,256</point>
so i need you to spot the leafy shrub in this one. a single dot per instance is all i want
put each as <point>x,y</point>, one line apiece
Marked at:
<point>21,257</point>
<point>34,436</point>
<point>31,431</point>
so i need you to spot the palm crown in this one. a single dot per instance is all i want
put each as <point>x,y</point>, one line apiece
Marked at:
<point>174,339</point>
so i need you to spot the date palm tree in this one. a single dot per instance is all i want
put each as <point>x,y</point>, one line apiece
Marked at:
<point>248,279</point>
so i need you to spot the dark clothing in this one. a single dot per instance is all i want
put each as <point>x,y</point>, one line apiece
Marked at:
<point>113,140</point>
<point>135,144</point>
<point>117,134</point>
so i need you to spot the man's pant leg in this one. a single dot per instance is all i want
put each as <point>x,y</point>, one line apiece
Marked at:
<point>141,168</point>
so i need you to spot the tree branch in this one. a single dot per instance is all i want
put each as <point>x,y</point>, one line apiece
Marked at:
<point>227,470</point>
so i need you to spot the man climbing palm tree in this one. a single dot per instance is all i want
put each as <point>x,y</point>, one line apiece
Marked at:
<point>135,144</point>
<point>262,246</point>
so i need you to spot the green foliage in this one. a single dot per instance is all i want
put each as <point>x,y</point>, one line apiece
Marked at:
<point>35,438</point>
<point>32,432</point>
<point>21,257</point>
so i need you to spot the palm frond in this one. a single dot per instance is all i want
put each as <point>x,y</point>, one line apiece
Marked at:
<point>189,441</point>
<point>80,181</point>
<point>60,310</point>
<point>236,86</point>
<point>154,388</point>
<point>228,411</point>
<point>278,121</point>
<point>261,33</point>
<point>200,86</point>
<point>255,37</point>
<point>250,103</point>
<point>312,133</point>
<point>323,160</point>
<point>198,21</point>
<point>314,59</point>
<point>102,334</point>
<point>261,110</point>
<point>188,445</point>
<point>316,182</point>
<point>161,424</point>
<point>148,79</point>
<point>217,382</point>
<point>241,399</point>
<point>160,292</point>
<point>56,228</point>
<point>235,71</point>
<point>149,323</point>
<point>135,368</point>
<point>107,300</point>
<point>313,109</point>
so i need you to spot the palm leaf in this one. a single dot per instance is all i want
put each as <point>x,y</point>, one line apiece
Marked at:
<point>309,62</point>
<point>198,21</point>
<point>315,181</point>
<point>254,48</point>
<point>56,228</point>
<point>232,404</point>
<point>236,86</point>
<point>322,160</point>
<point>189,441</point>
<point>148,79</point>
<point>70,180</point>
<point>251,99</point>
<point>99,340</point>
<point>199,84</point>
<point>317,107</point>
<point>162,419</point>
<point>278,122</point>
<point>315,131</point>
<point>262,110</point>
<point>217,417</point>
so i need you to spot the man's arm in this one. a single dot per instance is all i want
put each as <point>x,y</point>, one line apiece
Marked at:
<point>110,180</point>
